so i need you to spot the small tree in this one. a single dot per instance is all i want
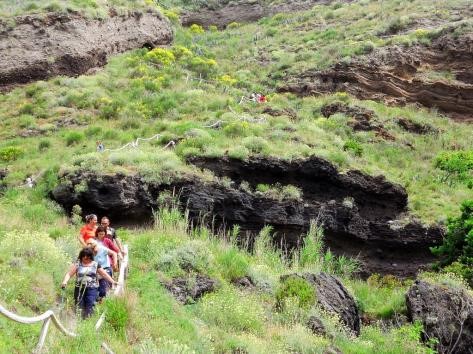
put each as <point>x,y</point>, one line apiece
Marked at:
<point>457,248</point>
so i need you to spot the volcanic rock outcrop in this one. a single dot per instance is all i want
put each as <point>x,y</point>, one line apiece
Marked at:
<point>362,119</point>
<point>333,297</point>
<point>226,12</point>
<point>42,46</point>
<point>446,313</point>
<point>357,211</point>
<point>399,75</point>
<point>188,290</point>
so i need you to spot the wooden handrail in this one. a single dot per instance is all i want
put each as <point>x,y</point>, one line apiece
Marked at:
<point>49,316</point>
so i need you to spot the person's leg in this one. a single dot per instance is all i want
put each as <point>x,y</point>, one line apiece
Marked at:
<point>104,285</point>
<point>79,293</point>
<point>90,297</point>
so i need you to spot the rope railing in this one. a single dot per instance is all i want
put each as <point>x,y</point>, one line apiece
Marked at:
<point>49,316</point>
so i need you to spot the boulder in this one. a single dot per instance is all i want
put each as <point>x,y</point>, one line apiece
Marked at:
<point>188,290</point>
<point>316,326</point>
<point>446,313</point>
<point>333,297</point>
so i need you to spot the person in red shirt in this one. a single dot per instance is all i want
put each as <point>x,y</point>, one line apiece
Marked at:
<point>88,230</point>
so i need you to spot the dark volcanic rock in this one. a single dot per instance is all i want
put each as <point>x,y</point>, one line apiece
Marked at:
<point>226,12</point>
<point>316,326</point>
<point>362,118</point>
<point>394,75</point>
<point>244,282</point>
<point>188,290</point>
<point>3,174</point>
<point>42,46</point>
<point>446,313</point>
<point>413,127</point>
<point>332,296</point>
<point>365,227</point>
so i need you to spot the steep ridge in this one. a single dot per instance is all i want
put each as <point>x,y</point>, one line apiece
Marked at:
<point>398,75</point>
<point>243,11</point>
<point>42,46</point>
<point>358,212</point>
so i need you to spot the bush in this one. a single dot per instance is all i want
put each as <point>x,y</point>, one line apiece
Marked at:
<point>34,265</point>
<point>353,146</point>
<point>196,29</point>
<point>161,56</point>
<point>74,138</point>
<point>44,145</point>
<point>11,153</point>
<point>256,144</point>
<point>117,314</point>
<point>457,246</point>
<point>233,264</point>
<point>458,164</point>
<point>192,256</point>
<point>298,288</point>
<point>203,66</point>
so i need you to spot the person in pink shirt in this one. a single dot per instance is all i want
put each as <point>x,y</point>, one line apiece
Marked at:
<point>100,236</point>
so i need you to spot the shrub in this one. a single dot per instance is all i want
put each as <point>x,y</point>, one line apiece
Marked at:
<point>233,25</point>
<point>11,153</point>
<point>237,129</point>
<point>256,144</point>
<point>353,146</point>
<point>117,314</point>
<point>44,145</point>
<point>458,164</point>
<point>202,65</point>
<point>181,52</point>
<point>298,288</point>
<point>233,264</point>
<point>161,56</point>
<point>227,80</point>
<point>457,246</point>
<point>74,138</point>
<point>173,16</point>
<point>192,256</point>
<point>196,29</point>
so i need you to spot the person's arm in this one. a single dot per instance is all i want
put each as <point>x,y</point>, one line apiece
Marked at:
<point>68,275</point>
<point>109,244</point>
<point>107,277</point>
<point>114,258</point>
<point>120,246</point>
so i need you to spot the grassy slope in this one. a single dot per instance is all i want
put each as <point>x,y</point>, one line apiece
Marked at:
<point>135,97</point>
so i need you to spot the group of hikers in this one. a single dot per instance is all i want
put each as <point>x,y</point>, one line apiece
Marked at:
<point>98,259</point>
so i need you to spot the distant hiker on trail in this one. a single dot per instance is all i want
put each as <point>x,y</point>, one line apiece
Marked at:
<point>262,98</point>
<point>86,289</point>
<point>88,230</point>
<point>100,146</point>
<point>112,234</point>
<point>101,256</point>
<point>29,182</point>
<point>102,239</point>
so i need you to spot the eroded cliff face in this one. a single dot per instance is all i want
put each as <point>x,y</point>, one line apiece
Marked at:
<point>398,75</point>
<point>42,46</point>
<point>358,212</point>
<point>243,11</point>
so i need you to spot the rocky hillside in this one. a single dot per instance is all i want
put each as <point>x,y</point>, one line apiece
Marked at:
<point>43,46</point>
<point>331,215</point>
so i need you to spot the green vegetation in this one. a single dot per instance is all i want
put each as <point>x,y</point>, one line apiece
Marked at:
<point>189,93</point>
<point>148,319</point>
<point>298,288</point>
<point>457,248</point>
